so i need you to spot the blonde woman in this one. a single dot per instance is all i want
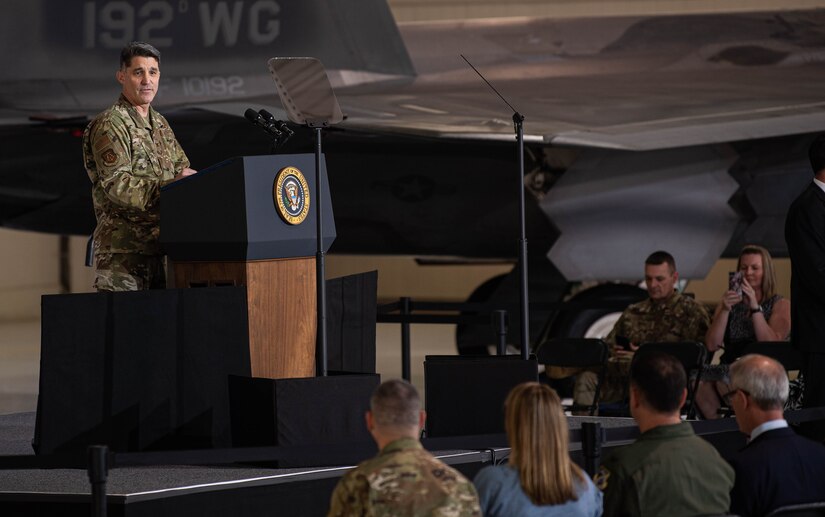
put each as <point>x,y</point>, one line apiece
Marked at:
<point>751,312</point>
<point>540,479</point>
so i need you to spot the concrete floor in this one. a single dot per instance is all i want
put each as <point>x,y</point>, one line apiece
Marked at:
<point>19,365</point>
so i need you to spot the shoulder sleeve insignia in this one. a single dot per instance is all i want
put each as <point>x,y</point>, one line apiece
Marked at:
<point>109,157</point>
<point>601,477</point>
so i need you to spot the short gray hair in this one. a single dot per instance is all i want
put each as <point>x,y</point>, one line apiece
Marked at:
<point>137,49</point>
<point>763,378</point>
<point>395,403</point>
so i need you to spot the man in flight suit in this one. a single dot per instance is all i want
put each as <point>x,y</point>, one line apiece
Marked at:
<point>129,152</point>
<point>669,470</point>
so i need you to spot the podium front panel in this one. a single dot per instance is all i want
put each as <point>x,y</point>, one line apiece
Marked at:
<point>228,212</point>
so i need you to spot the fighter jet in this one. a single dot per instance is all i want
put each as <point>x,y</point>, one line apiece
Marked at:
<point>686,133</point>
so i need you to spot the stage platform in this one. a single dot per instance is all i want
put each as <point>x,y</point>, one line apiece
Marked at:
<point>245,482</point>
<point>215,482</point>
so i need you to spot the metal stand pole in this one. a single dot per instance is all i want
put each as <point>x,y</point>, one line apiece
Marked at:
<point>98,471</point>
<point>320,266</point>
<point>518,120</point>
<point>405,339</point>
<point>499,320</point>
<point>591,446</point>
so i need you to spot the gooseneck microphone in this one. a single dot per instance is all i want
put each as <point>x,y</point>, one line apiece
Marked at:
<point>268,117</point>
<point>283,128</point>
<point>257,119</point>
<point>267,121</point>
<point>278,125</point>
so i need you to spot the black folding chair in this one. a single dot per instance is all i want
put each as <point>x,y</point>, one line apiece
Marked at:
<point>578,353</point>
<point>781,351</point>
<point>800,510</point>
<point>692,356</point>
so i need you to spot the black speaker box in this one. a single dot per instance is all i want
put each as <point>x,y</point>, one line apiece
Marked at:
<point>351,313</point>
<point>312,411</point>
<point>465,395</point>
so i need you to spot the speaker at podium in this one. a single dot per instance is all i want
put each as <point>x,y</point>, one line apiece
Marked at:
<point>170,368</point>
<point>250,221</point>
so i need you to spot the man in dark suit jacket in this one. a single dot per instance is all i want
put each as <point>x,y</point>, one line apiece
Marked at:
<point>777,467</point>
<point>805,236</point>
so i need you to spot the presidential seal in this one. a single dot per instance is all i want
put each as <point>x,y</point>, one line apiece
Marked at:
<point>291,195</point>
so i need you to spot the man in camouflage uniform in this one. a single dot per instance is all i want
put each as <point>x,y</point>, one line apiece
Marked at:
<point>665,316</point>
<point>404,479</point>
<point>668,470</point>
<point>130,152</point>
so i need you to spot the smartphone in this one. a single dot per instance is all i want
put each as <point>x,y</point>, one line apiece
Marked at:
<point>735,282</point>
<point>623,342</point>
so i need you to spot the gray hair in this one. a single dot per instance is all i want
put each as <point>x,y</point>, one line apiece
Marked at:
<point>763,378</point>
<point>137,49</point>
<point>395,403</point>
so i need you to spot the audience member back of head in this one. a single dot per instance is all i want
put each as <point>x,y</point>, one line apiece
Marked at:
<point>539,479</point>
<point>404,479</point>
<point>777,467</point>
<point>668,471</point>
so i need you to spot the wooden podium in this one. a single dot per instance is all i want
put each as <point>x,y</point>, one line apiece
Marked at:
<point>223,227</point>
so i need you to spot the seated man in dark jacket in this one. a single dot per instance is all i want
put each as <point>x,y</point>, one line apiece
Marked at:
<point>776,467</point>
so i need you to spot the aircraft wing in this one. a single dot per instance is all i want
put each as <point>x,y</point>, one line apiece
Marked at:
<point>423,134</point>
<point>630,83</point>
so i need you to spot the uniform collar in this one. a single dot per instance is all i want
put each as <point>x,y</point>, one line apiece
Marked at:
<point>137,118</point>
<point>670,301</point>
<point>401,444</point>
<point>663,432</point>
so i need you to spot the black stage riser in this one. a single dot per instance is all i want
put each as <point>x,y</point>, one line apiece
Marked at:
<point>149,370</point>
<point>465,395</point>
<point>140,371</point>
<point>285,412</point>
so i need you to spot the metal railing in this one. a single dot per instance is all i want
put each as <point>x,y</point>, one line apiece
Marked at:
<point>407,311</point>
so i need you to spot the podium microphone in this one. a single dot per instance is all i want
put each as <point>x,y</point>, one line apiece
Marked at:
<point>268,117</point>
<point>284,129</point>
<point>259,120</point>
<point>278,125</point>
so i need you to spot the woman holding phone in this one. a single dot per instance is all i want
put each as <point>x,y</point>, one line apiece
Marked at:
<point>750,311</point>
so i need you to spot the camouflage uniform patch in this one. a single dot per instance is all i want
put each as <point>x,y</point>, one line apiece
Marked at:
<point>404,479</point>
<point>679,318</point>
<point>109,157</point>
<point>128,158</point>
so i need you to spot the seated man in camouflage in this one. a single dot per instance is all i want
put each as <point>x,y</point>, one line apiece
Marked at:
<point>404,479</point>
<point>665,316</point>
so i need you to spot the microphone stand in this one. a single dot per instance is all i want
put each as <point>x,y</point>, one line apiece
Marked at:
<point>314,105</point>
<point>524,306</point>
<point>518,120</point>
<point>320,266</point>
<point>266,122</point>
